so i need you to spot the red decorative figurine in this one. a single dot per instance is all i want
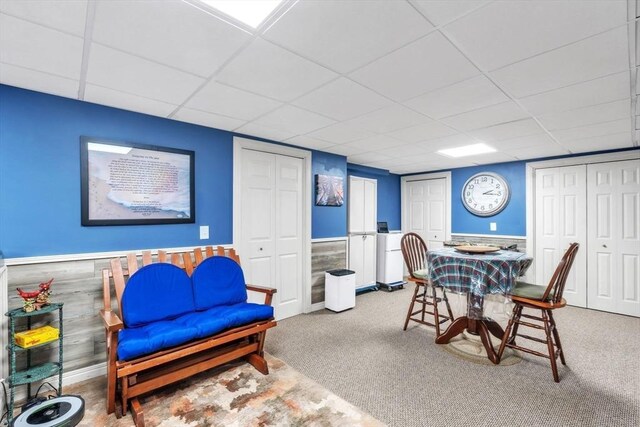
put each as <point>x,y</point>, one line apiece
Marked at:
<point>37,299</point>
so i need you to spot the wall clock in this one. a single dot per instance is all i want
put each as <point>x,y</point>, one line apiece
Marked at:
<point>485,194</point>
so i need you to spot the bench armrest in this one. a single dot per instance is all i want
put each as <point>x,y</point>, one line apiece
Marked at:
<point>111,321</point>
<point>268,292</point>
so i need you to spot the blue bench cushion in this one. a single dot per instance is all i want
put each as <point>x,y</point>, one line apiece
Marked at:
<point>218,281</point>
<point>160,335</point>
<point>156,292</point>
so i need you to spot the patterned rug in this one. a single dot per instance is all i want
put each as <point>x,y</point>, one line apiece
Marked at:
<point>233,396</point>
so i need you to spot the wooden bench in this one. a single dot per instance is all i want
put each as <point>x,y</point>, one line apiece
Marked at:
<point>129,379</point>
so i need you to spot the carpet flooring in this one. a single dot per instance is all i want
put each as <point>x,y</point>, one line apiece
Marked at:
<point>405,379</point>
<point>234,396</point>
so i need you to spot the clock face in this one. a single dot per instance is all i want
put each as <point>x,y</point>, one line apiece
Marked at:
<point>485,194</point>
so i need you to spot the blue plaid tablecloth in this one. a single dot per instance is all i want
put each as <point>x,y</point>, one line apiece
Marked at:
<point>478,274</point>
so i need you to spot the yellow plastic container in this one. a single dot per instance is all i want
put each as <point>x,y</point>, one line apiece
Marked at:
<point>36,336</point>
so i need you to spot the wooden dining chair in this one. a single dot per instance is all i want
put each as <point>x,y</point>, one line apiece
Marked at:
<point>414,251</point>
<point>546,299</point>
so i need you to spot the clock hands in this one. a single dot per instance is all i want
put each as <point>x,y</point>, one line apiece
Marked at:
<point>490,193</point>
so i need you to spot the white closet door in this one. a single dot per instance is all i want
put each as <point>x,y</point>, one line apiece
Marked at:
<point>426,207</point>
<point>561,201</point>
<point>357,205</point>
<point>614,236</point>
<point>272,227</point>
<point>369,251</point>
<point>370,206</point>
<point>356,258</point>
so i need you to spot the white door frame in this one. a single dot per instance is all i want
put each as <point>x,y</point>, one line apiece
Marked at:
<point>239,144</point>
<point>403,197</point>
<point>565,161</point>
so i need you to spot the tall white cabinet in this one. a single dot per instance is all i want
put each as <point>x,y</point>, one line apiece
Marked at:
<point>362,209</point>
<point>598,206</point>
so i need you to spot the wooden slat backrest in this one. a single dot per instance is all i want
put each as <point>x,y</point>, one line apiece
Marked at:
<point>197,254</point>
<point>220,251</point>
<point>187,262</point>
<point>162,256</point>
<point>175,260</point>
<point>146,258</point>
<point>132,263</point>
<point>234,256</point>
<point>118,280</point>
<point>209,251</point>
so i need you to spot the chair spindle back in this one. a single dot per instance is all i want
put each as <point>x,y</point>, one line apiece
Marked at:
<point>414,251</point>
<point>559,278</point>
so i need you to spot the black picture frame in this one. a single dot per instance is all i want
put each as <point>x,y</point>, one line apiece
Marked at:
<point>93,211</point>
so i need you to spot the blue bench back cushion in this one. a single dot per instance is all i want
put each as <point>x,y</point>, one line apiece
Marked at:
<point>156,292</point>
<point>218,281</point>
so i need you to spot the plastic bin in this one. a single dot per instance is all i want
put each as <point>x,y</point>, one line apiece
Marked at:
<point>339,289</point>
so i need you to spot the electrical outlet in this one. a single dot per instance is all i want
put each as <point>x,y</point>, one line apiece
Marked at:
<point>204,232</point>
<point>493,226</point>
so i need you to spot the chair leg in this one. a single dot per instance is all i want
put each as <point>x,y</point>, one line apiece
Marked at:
<point>507,332</point>
<point>435,310</point>
<point>446,301</point>
<point>424,302</point>
<point>517,313</point>
<point>556,335</point>
<point>413,301</point>
<point>550,346</point>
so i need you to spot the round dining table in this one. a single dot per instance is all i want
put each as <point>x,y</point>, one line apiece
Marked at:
<point>477,275</point>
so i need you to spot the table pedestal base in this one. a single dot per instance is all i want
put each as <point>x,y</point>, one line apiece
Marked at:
<point>482,327</point>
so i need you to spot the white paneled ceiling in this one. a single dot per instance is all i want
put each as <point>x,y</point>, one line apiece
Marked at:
<point>385,83</point>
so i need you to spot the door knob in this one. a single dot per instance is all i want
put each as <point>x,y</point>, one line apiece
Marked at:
<point>604,246</point>
<point>260,248</point>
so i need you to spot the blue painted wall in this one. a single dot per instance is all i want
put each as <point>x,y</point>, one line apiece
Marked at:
<point>40,177</point>
<point>388,192</point>
<point>511,221</point>
<point>329,221</point>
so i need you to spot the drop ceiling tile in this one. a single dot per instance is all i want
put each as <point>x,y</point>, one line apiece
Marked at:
<point>467,95</point>
<point>63,15</point>
<point>599,129</point>
<point>374,143</point>
<point>605,89</point>
<point>341,133</point>
<point>524,142</point>
<point>366,158</point>
<point>423,132</point>
<point>442,11</point>
<point>342,99</point>
<point>390,119</point>
<point>505,32</point>
<point>178,34</point>
<point>294,119</point>
<point>604,142</point>
<point>220,99</point>
<point>451,141</point>
<point>308,142</point>
<point>406,151</point>
<point>37,48</point>
<point>127,73</point>
<point>638,77</point>
<point>597,56</point>
<point>269,70</point>
<point>41,82</point>
<point>637,122</point>
<point>538,152</point>
<point>587,115</point>
<point>345,35</point>
<point>207,119</point>
<point>126,101</point>
<point>487,116</point>
<point>424,65</point>
<point>255,129</point>
<point>490,158</point>
<point>509,130</point>
<point>343,150</point>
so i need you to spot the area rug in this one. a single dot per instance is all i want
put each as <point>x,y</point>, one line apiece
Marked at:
<point>236,396</point>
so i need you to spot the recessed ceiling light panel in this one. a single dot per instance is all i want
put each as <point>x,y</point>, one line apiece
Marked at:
<point>467,150</point>
<point>250,12</point>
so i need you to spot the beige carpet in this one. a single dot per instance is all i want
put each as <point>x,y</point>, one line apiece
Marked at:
<point>238,396</point>
<point>405,379</point>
